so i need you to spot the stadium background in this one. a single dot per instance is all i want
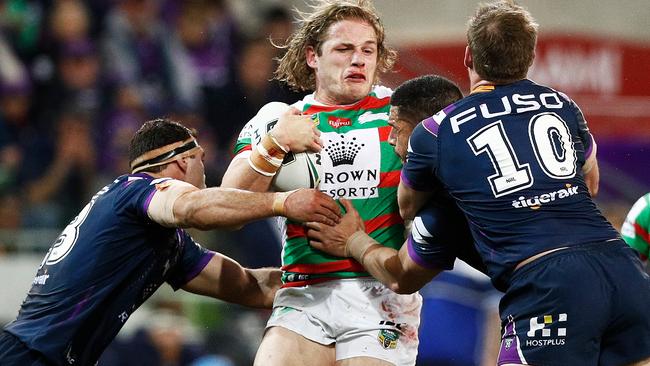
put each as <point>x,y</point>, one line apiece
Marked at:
<point>72,91</point>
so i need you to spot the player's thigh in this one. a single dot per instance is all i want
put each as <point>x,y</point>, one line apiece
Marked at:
<point>363,361</point>
<point>283,347</point>
<point>627,336</point>
<point>549,320</point>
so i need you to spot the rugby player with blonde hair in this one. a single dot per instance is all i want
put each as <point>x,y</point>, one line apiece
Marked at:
<point>330,311</point>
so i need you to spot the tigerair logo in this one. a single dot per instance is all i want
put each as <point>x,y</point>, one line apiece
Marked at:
<point>551,330</point>
<point>343,151</point>
<point>536,202</point>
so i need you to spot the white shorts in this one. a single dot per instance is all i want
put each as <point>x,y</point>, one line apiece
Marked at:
<point>361,316</point>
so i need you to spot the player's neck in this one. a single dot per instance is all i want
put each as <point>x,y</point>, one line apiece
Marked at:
<point>327,100</point>
<point>482,85</point>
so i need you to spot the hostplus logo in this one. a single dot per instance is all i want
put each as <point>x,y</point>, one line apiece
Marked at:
<point>551,329</point>
<point>343,151</point>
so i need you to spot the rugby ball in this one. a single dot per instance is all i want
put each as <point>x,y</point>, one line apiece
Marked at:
<point>301,170</point>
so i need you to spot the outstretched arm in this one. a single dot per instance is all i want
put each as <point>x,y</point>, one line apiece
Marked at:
<point>180,204</point>
<point>410,201</point>
<point>225,279</point>
<point>393,268</point>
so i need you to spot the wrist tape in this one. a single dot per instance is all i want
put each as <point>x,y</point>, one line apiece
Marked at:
<point>267,156</point>
<point>358,244</point>
<point>278,203</point>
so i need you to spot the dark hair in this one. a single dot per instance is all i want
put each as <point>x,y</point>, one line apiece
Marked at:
<point>423,96</point>
<point>501,37</point>
<point>155,134</point>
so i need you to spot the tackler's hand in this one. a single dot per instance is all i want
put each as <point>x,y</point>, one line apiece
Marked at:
<point>333,239</point>
<point>307,205</point>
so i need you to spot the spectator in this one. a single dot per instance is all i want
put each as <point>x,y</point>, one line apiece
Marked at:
<point>55,187</point>
<point>136,47</point>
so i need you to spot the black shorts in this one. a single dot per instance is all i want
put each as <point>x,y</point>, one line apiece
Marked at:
<point>13,352</point>
<point>581,306</point>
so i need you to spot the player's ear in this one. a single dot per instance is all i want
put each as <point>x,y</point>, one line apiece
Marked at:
<point>310,56</point>
<point>467,60</point>
<point>182,164</point>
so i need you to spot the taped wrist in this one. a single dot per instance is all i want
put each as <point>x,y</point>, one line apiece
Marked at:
<point>278,203</point>
<point>266,158</point>
<point>358,244</point>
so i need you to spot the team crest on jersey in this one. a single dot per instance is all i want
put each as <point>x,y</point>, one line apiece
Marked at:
<point>508,343</point>
<point>388,338</point>
<point>351,168</point>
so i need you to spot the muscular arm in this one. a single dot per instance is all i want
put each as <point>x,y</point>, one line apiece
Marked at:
<point>240,175</point>
<point>393,268</point>
<point>179,204</point>
<point>225,279</point>
<point>410,201</point>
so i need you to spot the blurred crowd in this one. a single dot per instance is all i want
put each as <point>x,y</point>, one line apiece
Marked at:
<point>77,78</point>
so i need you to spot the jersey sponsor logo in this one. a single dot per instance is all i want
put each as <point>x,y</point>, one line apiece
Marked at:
<point>551,330</point>
<point>536,202</point>
<point>343,151</point>
<point>369,117</point>
<point>40,280</point>
<point>352,166</point>
<point>509,104</point>
<point>337,122</point>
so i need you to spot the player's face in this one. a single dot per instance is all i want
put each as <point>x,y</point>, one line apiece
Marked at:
<point>195,170</point>
<point>347,64</point>
<point>400,132</point>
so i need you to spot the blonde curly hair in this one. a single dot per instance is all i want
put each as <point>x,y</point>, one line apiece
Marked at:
<point>293,68</point>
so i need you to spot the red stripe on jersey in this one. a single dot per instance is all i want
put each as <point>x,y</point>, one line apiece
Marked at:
<point>383,221</point>
<point>368,102</point>
<point>345,265</point>
<point>309,282</point>
<point>295,231</point>
<point>384,133</point>
<point>298,231</point>
<point>640,231</point>
<point>389,179</point>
